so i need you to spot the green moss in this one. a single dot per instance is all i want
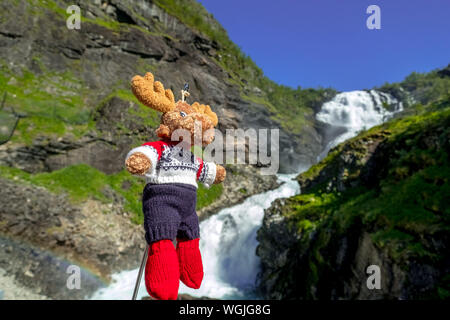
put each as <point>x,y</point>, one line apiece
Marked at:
<point>405,208</point>
<point>243,190</point>
<point>130,189</point>
<point>49,5</point>
<point>314,170</point>
<point>194,15</point>
<point>207,196</point>
<point>52,103</point>
<point>82,182</point>
<point>150,118</point>
<point>30,127</point>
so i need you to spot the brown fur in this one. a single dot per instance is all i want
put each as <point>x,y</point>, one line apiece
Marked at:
<point>153,95</point>
<point>138,163</point>
<point>221,173</point>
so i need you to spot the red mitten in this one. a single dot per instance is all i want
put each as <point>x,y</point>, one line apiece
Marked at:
<point>190,259</point>
<point>162,275</point>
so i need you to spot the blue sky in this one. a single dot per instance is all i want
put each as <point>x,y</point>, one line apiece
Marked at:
<point>326,43</point>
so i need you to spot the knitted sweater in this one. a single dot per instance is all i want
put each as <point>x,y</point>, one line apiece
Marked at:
<point>170,164</point>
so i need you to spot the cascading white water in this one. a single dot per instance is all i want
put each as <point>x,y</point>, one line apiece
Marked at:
<point>228,244</point>
<point>355,111</point>
<point>228,239</point>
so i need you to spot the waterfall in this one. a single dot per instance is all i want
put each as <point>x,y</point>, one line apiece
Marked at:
<point>355,111</point>
<point>228,245</point>
<point>228,238</point>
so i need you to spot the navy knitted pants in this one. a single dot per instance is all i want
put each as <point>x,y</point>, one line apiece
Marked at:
<point>169,212</point>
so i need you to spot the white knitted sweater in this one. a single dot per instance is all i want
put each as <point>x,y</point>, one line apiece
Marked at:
<point>172,164</point>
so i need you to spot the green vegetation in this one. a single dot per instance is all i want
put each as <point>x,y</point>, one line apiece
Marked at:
<point>103,21</point>
<point>81,182</point>
<point>207,196</point>
<point>57,104</point>
<point>402,212</point>
<point>426,88</point>
<point>148,117</point>
<point>52,103</point>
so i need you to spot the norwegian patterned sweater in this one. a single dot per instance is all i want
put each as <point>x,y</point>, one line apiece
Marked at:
<point>173,164</point>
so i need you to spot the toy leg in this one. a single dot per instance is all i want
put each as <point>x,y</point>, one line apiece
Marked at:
<point>162,271</point>
<point>190,261</point>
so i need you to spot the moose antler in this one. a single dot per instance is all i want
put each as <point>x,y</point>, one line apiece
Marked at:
<point>152,94</point>
<point>206,109</point>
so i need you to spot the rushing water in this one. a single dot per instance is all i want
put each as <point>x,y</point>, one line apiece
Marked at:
<point>355,111</point>
<point>228,239</point>
<point>228,244</point>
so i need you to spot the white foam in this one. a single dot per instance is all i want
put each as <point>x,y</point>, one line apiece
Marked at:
<point>356,111</point>
<point>227,243</point>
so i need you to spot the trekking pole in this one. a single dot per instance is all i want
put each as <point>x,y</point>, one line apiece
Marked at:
<point>141,269</point>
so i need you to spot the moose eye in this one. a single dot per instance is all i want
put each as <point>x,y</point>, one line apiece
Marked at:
<point>183,114</point>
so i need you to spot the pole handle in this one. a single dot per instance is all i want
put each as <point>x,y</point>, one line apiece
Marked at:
<point>141,269</point>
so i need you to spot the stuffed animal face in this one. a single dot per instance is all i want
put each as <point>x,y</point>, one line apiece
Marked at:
<point>194,121</point>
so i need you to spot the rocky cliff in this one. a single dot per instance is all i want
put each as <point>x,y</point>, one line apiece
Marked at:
<point>378,199</point>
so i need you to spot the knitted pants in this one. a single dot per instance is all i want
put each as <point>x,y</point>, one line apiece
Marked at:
<point>169,212</point>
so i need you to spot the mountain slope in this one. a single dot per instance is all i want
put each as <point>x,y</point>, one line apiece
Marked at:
<point>380,198</point>
<point>418,90</point>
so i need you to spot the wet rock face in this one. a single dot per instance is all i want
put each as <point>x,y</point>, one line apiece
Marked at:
<point>241,182</point>
<point>353,166</point>
<point>324,252</point>
<point>42,274</point>
<point>286,272</point>
<point>93,235</point>
<point>277,252</point>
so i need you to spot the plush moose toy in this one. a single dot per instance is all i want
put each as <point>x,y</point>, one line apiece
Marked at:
<point>170,194</point>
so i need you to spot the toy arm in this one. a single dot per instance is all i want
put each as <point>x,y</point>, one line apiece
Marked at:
<point>221,173</point>
<point>140,160</point>
<point>209,173</point>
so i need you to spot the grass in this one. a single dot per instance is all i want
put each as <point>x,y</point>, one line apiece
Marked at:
<point>206,196</point>
<point>52,103</point>
<point>56,104</point>
<point>82,182</point>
